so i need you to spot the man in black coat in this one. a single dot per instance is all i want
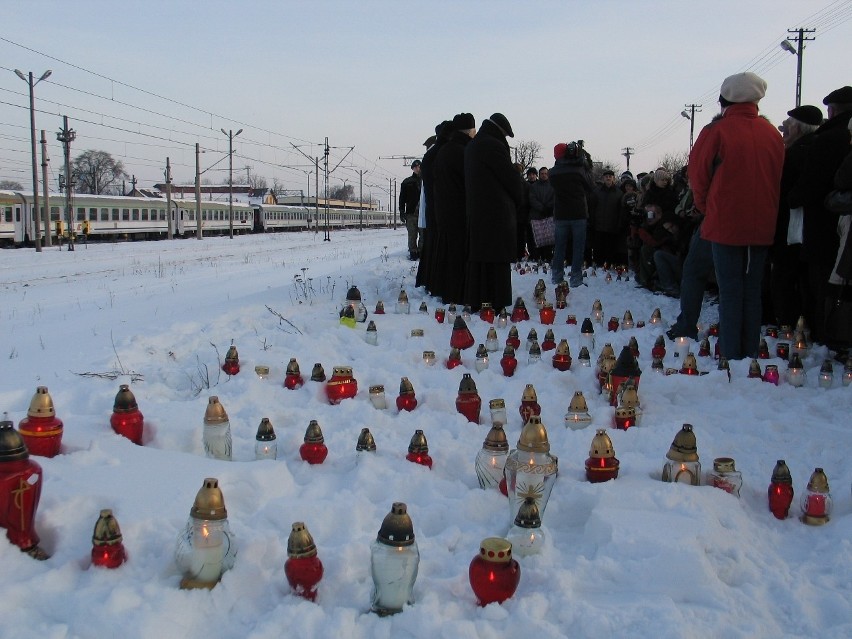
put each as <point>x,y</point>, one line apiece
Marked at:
<point>426,268</point>
<point>409,209</point>
<point>450,214</point>
<point>820,242</point>
<point>610,226</point>
<point>493,191</point>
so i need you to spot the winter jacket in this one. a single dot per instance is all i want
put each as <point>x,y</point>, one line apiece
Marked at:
<point>409,196</point>
<point>541,199</point>
<point>572,184</point>
<point>607,216</point>
<point>665,197</point>
<point>493,190</point>
<point>735,174</point>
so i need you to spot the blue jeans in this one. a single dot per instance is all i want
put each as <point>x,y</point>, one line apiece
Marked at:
<point>577,230</point>
<point>739,272</point>
<point>697,268</point>
<point>669,271</point>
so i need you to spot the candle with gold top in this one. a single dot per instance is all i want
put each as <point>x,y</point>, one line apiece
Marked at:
<point>481,361</point>
<point>366,443</point>
<point>107,547</point>
<point>454,359</point>
<point>313,449</point>
<point>659,349</point>
<point>303,568</point>
<point>578,416</point>
<point>402,305</point>
<point>826,374</point>
<point>602,464</point>
<point>206,548</point>
<point>597,312</point>
<point>216,436</point>
<point>763,349</point>
<point>530,468</point>
<point>534,354</point>
<point>494,575</point>
<point>519,312</point>
<point>468,402</point>
<point>377,397</point>
<point>571,320</point>
<point>371,336</point>
<point>418,450</point>
<point>512,339</point>
<point>561,297</point>
<point>562,358</point>
<point>795,371</point>
<point>725,476</point>
<point>491,342</point>
<point>689,366</point>
<point>780,492</point>
<point>41,429</point>
<point>126,420</point>
<point>406,399</point>
<point>380,308</point>
<point>754,371</point>
<point>353,301</point>
<point>452,313</point>
<point>549,341</point>
<point>627,321</point>
<point>584,358</point>
<point>293,377</point>
<point>816,502</point>
<point>394,561</point>
<point>232,361</point>
<point>342,385</point>
<point>502,318</point>
<point>656,318</point>
<point>683,465</point>
<point>491,458</point>
<point>440,315</point>
<point>626,368</point>
<point>587,334</point>
<point>547,314</point>
<point>613,324</point>
<point>423,310</point>
<point>526,534</point>
<point>486,313</point>
<point>317,373</point>
<point>461,337</point>
<point>508,363</point>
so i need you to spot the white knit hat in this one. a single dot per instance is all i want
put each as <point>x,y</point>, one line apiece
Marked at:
<point>743,87</point>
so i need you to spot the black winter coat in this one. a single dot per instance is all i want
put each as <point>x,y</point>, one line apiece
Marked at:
<point>572,184</point>
<point>541,200</point>
<point>450,219</point>
<point>409,197</point>
<point>493,191</point>
<point>794,164</point>
<point>607,216</point>
<point>426,269</point>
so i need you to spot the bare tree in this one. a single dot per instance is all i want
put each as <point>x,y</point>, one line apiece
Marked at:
<point>526,153</point>
<point>97,172</point>
<point>11,185</point>
<point>344,192</point>
<point>605,165</point>
<point>674,162</point>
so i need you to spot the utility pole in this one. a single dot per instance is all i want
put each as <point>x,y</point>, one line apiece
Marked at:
<point>198,231</point>
<point>628,151</point>
<point>798,51</point>
<point>47,238</point>
<point>231,135</point>
<point>326,172</point>
<point>29,80</point>
<point>67,136</point>
<point>316,192</point>
<point>168,175</point>
<point>392,201</point>
<point>326,237</point>
<point>361,199</point>
<point>691,117</point>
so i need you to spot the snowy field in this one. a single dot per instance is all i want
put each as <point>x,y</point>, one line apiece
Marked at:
<point>634,557</point>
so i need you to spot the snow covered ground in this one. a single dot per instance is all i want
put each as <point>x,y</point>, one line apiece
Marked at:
<point>634,557</point>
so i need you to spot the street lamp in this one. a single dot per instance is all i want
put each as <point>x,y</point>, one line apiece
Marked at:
<point>231,135</point>
<point>29,80</point>
<point>789,48</point>
<point>690,115</point>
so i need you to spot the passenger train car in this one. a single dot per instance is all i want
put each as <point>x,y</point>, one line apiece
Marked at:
<point>122,217</point>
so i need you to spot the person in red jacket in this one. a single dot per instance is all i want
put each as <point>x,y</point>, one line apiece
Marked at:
<point>735,173</point>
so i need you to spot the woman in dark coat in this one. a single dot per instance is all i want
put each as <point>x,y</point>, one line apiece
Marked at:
<point>450,215</point>
<point>493,191</point>
<point>427,269</point>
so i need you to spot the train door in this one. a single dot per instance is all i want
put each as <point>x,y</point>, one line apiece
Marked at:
<point>257,227</point>
<point>177,219</point>
<point>23,222</point>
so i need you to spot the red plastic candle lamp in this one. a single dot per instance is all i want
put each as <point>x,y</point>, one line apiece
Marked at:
<point>713,331</point>
<point>780,492</point>
<point>20,491</point>
<point>529,404</point>
<point>41,430</point>
<point>519,311</point>
<point>771,374</point>
<point>107,547</point>
<point>508,362</point>
<point>704,348</point>
<point>126,420</point>
<point>572,320</point>
<point>513,339</point>
<point>468,401</point>
<point>293,378</point>
<point>303,568</point>
<point>613,324</point>
<point>625,417</point>
<point>494,574</point>
<point>461,337</point>
<point>782,350</point>
<point>440,315</point>
<point>454,359</point>
<point>418,450</point>
<point>486,313</point>
<point>547,314</point>
<point>406,400</point>
<point>549,341</point>
<point>562,356</point>
<point>602,464</point>
<point>816,503</point>
<point>659,349</point>
<point>341,385</point>
<point>232,361</point>
<point>313,450</point>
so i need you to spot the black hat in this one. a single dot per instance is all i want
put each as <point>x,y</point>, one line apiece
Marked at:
<point>843,95</point>
<point>430,141</point>
<point>807,114</point>
<point>415,163</point>
<point>532,170</point>
<point>608,172</point>
<point>463,121</point>
<point>500,120</point>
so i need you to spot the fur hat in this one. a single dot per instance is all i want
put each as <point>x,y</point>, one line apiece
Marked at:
<point>843,95</point>
<point>559,151</point>
<point>742,87</point>
<point>662,174</point>
<point>464,121</point>
<point>807,114</point>
<point>500,120</point>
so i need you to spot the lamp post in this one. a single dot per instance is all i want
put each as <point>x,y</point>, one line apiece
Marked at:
<point>231,135</point>
<point>29,80</point>
<point>797,51</point>
<point>690,115</point>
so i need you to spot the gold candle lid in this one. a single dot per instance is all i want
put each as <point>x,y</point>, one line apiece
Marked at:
<point>418,443</point>
<point>528,514</point>
<point>107,531</point>
<point>601,447</point>
<point>215,413</point>
<point>818,483</point>
<point>365,441</point>
<point>397,528</point>
<point>533,437</point>
<point>724,465</point>
<point>578,403</point>
<point>41,405</point>
<point>293,367</point>
<point>497,403</point>
<point>265,432</point>
<point>405,387</point>
<point>232,355</point>
<point>529,394</point>
<point>313,433</point>
<point>300,544</point>
<point>684,447</point>
<point>209,502</point>
<point>496,550</point>
<point>125,400</point>
<point>467,385</point>
<point>496,439</point>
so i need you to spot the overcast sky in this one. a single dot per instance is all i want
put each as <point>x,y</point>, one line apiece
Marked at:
<point>378,75</point>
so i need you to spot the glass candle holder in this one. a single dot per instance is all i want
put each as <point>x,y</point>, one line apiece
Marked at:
<point>394,561</point>
<point>816,503</point>
<point>377,397</point>
<point>429,358</point>
<point>491,458</point>
<point>771,374</point>
<point>498,411</point>
<point>725,476</point>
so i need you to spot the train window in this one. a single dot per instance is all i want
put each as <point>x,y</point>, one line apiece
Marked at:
<point>125,215</point>
<point>144,215</point>
<point>81,213</point>
<point>135,215</point>
<point>8,211</point>
<point>54,213</point>
<point>104,215</point>
<point>191,216</point>
<point>115,216</point>
<point>93,215</point>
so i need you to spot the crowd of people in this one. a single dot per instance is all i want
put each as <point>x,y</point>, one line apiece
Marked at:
<point>747,216</point>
